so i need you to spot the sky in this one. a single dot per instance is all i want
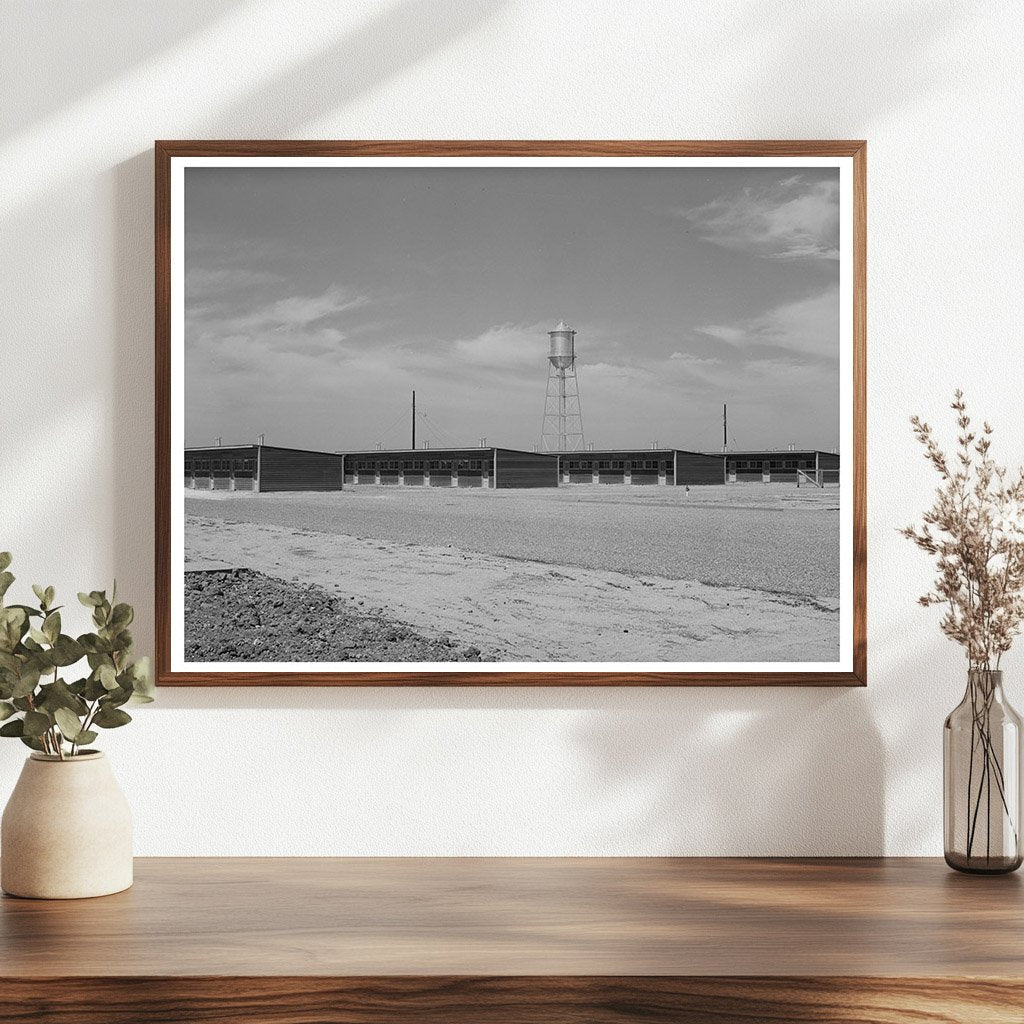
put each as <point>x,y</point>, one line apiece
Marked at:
<point>317,299</point>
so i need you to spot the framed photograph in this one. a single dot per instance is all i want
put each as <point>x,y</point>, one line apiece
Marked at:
<point>493,413</point>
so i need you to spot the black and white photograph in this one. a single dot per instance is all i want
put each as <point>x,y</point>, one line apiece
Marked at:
<point>523,414</point>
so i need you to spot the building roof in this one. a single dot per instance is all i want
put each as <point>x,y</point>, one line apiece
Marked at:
<point>442,451</point>
<point>775,451</point>
<point>246,447</point>
<point>218,447</point>
<point>635,451</point>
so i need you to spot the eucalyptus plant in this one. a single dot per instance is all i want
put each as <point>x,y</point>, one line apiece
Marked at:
<point>37,704</point>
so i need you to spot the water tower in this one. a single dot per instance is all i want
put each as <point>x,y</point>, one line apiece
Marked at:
<point>563,419</point>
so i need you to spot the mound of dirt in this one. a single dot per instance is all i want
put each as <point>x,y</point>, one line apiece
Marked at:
<point>245,616</point>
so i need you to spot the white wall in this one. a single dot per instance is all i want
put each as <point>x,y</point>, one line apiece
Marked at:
<point>937,89</point>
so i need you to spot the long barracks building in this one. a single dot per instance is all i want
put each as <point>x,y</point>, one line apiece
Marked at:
<point>452,467</point>
<point>265,468</point>
<point>791,466</point>
<point>262,467</point>
<point>639,466</point>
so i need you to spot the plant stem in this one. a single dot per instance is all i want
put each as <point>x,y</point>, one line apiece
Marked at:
<point>970,767</point>
<point>58,739</point>
<point>982,698</point>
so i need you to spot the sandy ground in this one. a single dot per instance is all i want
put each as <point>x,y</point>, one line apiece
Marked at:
<point>400,556</point>
<point>771,537</point>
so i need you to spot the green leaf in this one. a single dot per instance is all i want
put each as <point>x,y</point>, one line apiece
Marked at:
<point>107,676</point>
<point>67,651</point>
<point>51,626</point>
<point>59,695</point>
<point>86,736</point>
<point>97,646</point>
<point>94,689</point>
<point>40,593</point>
<point>13,728</point>
<point>13,625</point>
<point>29,611</point>
<point>6,710</point>
<point>142,682</point>
<point>38,635</point>
<point>122,616</point>
<point>115,698</point>
<point>89,600</point>
<point>27,682</point>
<point>36,723</point>
<point>50,595</point>
<point>6,579</point>
<point>31,741</point>
<point>109,717</point>
<point>5,560</point>
<point>14,614</point>
<point>69,724</point>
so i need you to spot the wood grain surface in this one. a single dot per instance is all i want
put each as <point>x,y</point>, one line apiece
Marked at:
<point>505,916</point>
<point>166,150</point>
<point>511,1000</point>
<point>493,939</point>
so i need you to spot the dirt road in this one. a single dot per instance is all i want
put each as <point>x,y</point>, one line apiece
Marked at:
<point>519,609</point>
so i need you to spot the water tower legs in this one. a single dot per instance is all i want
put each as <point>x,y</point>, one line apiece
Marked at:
<point>563,418</point>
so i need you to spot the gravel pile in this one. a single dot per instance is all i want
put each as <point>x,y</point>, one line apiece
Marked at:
<point>242,615</point>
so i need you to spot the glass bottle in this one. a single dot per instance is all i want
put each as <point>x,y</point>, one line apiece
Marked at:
<point>981,772</point>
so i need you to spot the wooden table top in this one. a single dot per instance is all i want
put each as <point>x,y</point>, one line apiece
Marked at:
<point>334,917</point>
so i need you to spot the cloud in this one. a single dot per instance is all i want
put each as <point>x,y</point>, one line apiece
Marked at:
<point>790,220</point>
<point>616,373</point>
<point>808,327</point>
<point>690,359</point>
<point>298,324</point>
<point>505,346</point>
<point>723,332</point>
<point>217,282</point>
<point>299,311</point>
<point>252,353</point>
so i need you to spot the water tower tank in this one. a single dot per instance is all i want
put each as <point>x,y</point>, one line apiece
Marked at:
<point>562,353</point>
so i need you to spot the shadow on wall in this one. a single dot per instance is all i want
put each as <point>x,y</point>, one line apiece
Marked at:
<point>848,45</point>
<point>132,550</point>
<point>692,771</point>
<point>739,772</point>
<point>45,51</point>
<point>387,44</point>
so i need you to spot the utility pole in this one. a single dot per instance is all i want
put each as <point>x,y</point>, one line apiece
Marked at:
<point>414,421</point>
<point>725,428</point>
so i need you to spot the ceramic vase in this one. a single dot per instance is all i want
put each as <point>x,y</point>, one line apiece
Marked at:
<point>66,831</point>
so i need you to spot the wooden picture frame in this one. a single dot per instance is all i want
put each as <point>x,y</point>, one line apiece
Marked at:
<point>171,157</point>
